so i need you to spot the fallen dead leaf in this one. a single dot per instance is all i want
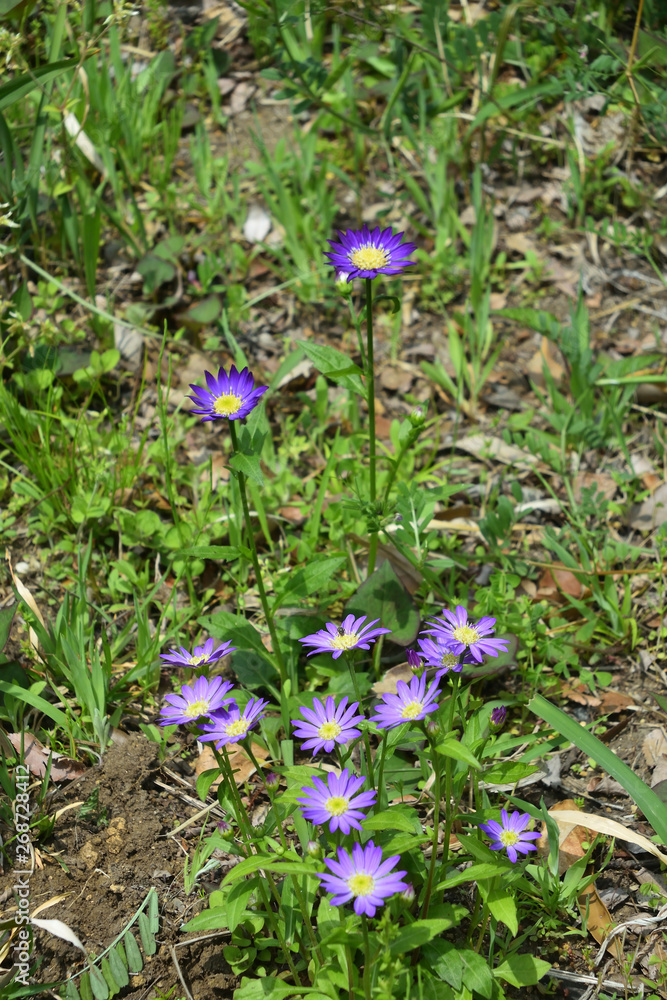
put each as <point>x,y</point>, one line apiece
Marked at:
<point>242,767</point>
<point>577,693</point>
<point>603,481</point>
<point>654,747</point>
<point>37,758</point>
<point>549,355</point>
<point>489,447</point>
<point>600,921</point>
<point>573,836</point>
<point>554,583</point>
<point>652,512</point>
<point>387,685</point>
<point>600,824</point>
<point>615,701</point>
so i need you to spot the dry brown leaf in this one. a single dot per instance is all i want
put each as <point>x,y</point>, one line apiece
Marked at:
<point>37,758</point>
<point>652,512</point>
<point>547,354</point>
<point>654,746</point>
<point>403,672</point>
<point>241,764</point>
<point>484,446</point>
<point>554,583</point>
<point>572,837</point>
<point>615,701</point>
<point>603,481</point>
<point>600,824</point>
<point>642,466</point>
<point>600,921</point>
<point>577,693</point>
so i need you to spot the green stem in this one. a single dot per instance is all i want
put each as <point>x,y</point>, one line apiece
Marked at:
<point>348,959</point>
<point>283,840</point>
<point>449,810</point>
<point>367,959</point>
<point>246,834</point>
<point>370,390</point>
<point>436,823</point>
<point>255,561</point>
<point>382,791</point>
<point>367,743</point>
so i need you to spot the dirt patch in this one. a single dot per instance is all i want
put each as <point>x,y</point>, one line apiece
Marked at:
<point>103,866</point>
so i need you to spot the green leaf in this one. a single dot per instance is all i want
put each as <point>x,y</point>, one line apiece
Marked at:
<point>236,900</point>
<point>205,780</point>
<point>455,750</point>
<point>418,933</point>
<point>248,465</point>
<point>476,973</point>
<point>383,596</point>
<point>392,819</point>
<point>442,958</point>
<point>508,772</point>
<point>649,803</point>
<point>258,989</point>
<point>155,271</point>
<point>334,365</point>
<point>482,870</point>
<point>148,942</point>
<point>153,912</point>
<point>522,970</point>
<point>71,992</point>
<point>28,696</point>
<point>503,907</point>
<point>203,312</point>
<point>105,967</point>
<point>237,628</point>
<point>25,82</point>
<point>223,552</point>
<point>135,962</point>
<point>252,670</point>
<point>118,968</point>
<point>98,984</point>
<point>311,579</point>
<point>536,319</point>
<point>6,619</point>
<point>267,862</point>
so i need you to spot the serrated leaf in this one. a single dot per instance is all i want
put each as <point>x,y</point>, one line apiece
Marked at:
<point>118,967</point>
<point>383,596</point>
<point>522,970</point>
<point>135,962</point>
<point>334,365</point>
<point>98,984</point>
<point>148,941</point>
<point>476,973</point>
<point>248,465</point>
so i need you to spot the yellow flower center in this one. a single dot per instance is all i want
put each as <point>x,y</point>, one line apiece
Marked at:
<point>369,258</point>
<point>346,641</point>
<point>411,709</point>
<point>227,405</point>
<point>329,730</point>
<point>237,728</point>
<point>197,708</point>
<point>336,805</point>
<point>361,884</point>
<point>449,659</point>
<point>466,635</point>
<point>509,838</point>
<point>194,660</point>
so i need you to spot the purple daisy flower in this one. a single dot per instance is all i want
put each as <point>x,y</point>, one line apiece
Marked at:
<point>203,656</point>
<point>337,639</point>
<point>231,725</point>
<point>509,835</point>
<point>337,803</point>
<point>461,634</point>
<point>201,699</point>
<point>365,254</point>
<point>412,702</point>
<point>438,653</point>
<point>327,725</point>
<point>230,396</point>
<point>364,877</point>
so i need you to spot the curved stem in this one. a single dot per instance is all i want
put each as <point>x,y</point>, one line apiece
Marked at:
<point>370,398</point>
<point>255,561</point>
<point>436,823</point>
<point>367,743</point>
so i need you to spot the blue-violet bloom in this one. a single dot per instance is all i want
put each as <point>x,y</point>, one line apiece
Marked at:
<point>438,653</point>
<point>509,835</point>
<point>327,724</point>
<point>364,877</point>
<point>338,803</point>
<point>203,656</point>
<point>365,254</point>
<point>410,703</point>
<point>230,396</point>
<point>414,659</point>
<point>231,726</point>
<point>498,716</point>
<point>201,699</point>
<point>461,634</point>
<point>337,639</point>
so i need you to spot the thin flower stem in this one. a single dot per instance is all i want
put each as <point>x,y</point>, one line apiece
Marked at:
<point>436,823</point>
<point>246,834</point>
<point>367,742</point>
<point>255,562</point>
<point>370,390</point>
<point>348,959</point>
<point>367,959</point>
<point>285,845</point>
<point>449,811</point>
<point>382,791</point>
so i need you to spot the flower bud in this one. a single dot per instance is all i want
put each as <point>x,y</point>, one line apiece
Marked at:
<point>272,780</point>
<point>414,659</point>
<point>498,716</point>
<point>408,894</point>
<point>225,829</point>
<point>314,850</point>
<point>342,283</point>
<point>417,417</point>
<point>432,727</point>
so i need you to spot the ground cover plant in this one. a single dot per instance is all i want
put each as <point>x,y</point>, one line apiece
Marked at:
<point>332,612</point>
